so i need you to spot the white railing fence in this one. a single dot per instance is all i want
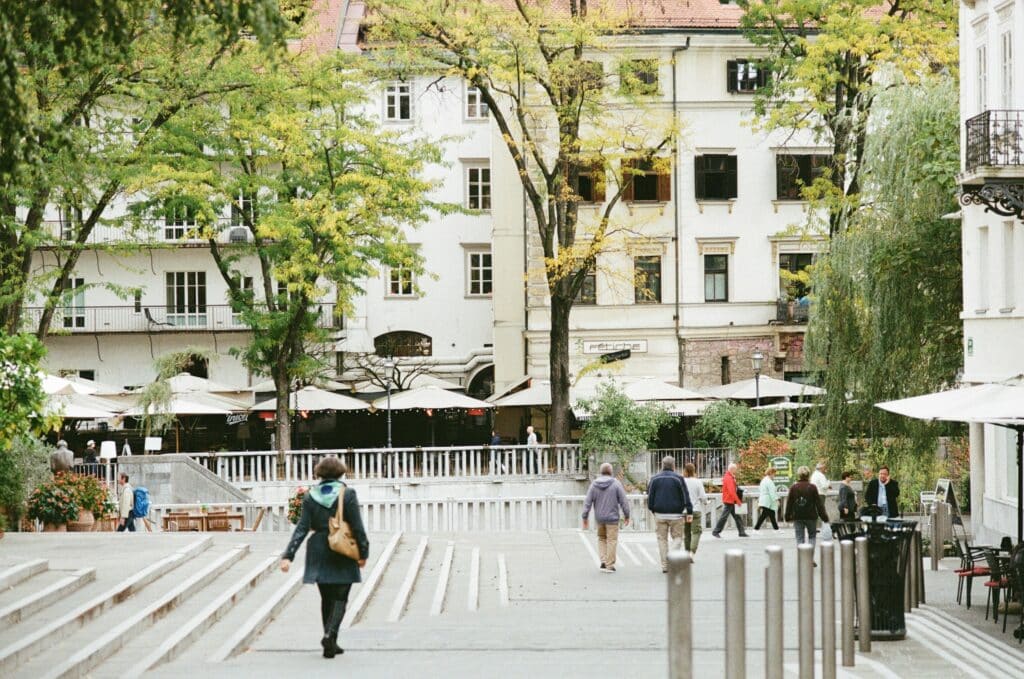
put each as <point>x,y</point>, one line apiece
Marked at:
<point>548,512</point>
<point>246,467</point>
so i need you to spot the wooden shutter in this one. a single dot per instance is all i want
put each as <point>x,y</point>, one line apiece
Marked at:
<point>764,74</point>
<point>598,179</point>
<point>730,170</point>
<point>731,75</point>
<point>698,177</point>
<point>627,177</point>
<point>665,187</point>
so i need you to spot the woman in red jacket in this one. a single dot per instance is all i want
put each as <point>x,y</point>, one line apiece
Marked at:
<point>730,501</point>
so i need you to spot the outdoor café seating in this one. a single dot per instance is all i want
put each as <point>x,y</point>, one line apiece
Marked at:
<point>214,520</point>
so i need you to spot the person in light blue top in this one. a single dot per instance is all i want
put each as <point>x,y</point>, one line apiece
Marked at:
<point>767,500</point>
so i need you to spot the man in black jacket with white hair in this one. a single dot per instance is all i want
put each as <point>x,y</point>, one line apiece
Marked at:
<point>669,500</point>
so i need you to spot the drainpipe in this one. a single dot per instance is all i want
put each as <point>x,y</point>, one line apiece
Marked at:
<point>675,214</point>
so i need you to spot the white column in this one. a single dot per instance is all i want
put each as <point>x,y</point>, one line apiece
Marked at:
<point>977,444</point>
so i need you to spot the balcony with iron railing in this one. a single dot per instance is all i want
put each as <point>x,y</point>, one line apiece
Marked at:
<point>993,175</point>
<point>149,232</point>
<point>792,311</point>
<point>153,319</point>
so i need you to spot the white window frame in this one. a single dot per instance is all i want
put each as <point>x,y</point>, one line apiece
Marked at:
<point>1006,65</point>
<point>194,305</point>
<point>981,64</point>
<point>481,185</point>
<point>396,287</point>
<point>178,222</point>
<point>246,284</point>
<point>479,274</point>
<point>73,313</point>
<point>394,92</point>
<point>475,106</point>
<point>243,203</point>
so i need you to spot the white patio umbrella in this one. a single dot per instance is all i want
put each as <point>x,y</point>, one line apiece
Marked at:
<point>194,403</point>
<point>767,387</point>
<point>786,405</point>
<point>998,404</point>
<point>52,384</point>
<point>653,389</point>
<point>537,394</point>
<point>314,399</point>
<point>327,385</point>
<point>82,407</point>
<point>184,383</point>
<point>429,397</point>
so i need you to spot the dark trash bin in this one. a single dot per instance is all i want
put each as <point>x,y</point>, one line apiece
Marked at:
<point>888,559</point>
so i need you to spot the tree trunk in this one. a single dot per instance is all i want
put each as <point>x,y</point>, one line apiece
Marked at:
<point>282,417</point>
<point>558,359</point>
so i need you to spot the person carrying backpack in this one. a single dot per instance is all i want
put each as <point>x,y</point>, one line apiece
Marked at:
<point>125,505</point>
<point>804,506</point>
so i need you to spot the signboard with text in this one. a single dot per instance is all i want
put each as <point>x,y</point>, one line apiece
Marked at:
<point>783,467</point>
<point>608,346</point>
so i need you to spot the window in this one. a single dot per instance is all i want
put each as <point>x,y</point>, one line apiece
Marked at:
<point>476,107</point>
<point>1007,68</point>
<point>186,298</point>
<point>744,76</point>
<point>480,274</point>
<point>179,220</point>
<point>587,294</point>
<point>793,172</point>
<point>592,183</point>
<point>398,101</point>
<point>137,302</point>
<point>403,343</point>
<point>400,282</point>
<point>639,77</point>
<point>69,218</point>
<point>647,277</point>
<point>982,269</point>
<point>74,313</point>
<point>339,362</point>
<point>982,75</point>
<point>245,283</point>
<point>716,278</point>
<point>791,264</point>
<point>591,75</point>
<point>646,184</point>
<point>1009,271</point>
<point>715,177</point>
<point>243,209</point>
<point>478,187</point>
<point>726,377</point>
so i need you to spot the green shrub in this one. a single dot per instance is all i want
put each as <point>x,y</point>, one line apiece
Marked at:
<point>729,424</point>
<point>23,467</point>
<point>620,426</point>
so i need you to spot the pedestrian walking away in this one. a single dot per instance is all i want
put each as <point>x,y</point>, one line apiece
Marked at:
<point>125,505</point>
<point>62,459</point>
<point>730,501</point>
<point>887,501</point>
<point>699,498</point>
<point>804,506</point>
<point>767,500</point>
<point>847,498</point>
<point>669,501</point>
<point>607,497</point>
<point>332,573</point>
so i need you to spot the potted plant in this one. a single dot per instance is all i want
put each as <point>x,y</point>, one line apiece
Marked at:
<point>90,495</point>
<point>295,504</point>
<point>53,505</point>
<point>106,520</point>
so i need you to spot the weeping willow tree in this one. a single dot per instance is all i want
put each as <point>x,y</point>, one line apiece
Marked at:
<point>155,399</point>
<point>886,324</point>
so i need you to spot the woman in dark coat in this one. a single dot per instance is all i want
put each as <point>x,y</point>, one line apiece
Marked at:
<point>332,572</point>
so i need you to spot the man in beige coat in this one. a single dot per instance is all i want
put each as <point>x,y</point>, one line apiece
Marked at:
<point>126,502</point>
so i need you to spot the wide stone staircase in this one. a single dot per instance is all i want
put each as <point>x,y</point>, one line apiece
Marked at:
<point>119,605</point>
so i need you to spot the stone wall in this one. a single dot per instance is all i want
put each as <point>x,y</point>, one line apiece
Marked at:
<point>177,479</point>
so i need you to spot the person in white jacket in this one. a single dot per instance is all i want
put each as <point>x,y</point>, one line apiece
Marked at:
<point>819,479</point>
<point>767,500</point>
<point>699,499</point>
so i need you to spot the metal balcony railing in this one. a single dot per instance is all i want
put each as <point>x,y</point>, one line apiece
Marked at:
<point>994,139</point>
<point>150,232</point>
<point>792,312</point>
<point>130,318</point>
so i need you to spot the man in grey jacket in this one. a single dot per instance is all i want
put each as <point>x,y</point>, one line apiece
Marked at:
<point>62,459</point>
<point>607,497</point>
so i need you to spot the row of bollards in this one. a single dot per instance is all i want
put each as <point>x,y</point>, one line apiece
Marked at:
<point>855,609</point>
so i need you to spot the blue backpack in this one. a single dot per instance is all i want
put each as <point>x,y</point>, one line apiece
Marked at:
<point>141,508</point>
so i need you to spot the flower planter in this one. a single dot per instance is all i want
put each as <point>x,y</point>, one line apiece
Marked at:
<point>55,527</point>
<point>85,522</point>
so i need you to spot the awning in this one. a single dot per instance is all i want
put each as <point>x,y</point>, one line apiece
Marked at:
<point>195,403</point>
<point>82,407</point>
<point>765,387</point>
<point>315,399</point>
<point>433,398</point>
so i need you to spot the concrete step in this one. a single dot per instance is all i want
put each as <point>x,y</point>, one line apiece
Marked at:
<point>174,634</point>
<point>12,574</point>
<point>45,594</point>
<point>394,583</point>
<point>104,601</point>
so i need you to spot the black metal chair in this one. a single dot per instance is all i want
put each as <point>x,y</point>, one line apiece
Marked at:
<point>996,583</point>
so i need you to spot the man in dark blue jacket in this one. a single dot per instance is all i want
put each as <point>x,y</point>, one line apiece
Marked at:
<point>669,500</point>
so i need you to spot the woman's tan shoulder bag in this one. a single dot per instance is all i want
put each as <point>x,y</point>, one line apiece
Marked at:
<point>339,534</point>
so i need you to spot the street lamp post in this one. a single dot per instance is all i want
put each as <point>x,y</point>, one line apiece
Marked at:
<point>389,367</point>
<point>757,359</point>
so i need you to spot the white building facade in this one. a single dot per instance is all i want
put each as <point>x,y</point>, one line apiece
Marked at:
<point>992,110</point>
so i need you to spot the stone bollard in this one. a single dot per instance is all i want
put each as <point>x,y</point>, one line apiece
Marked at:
<point>774,649</point>
<point>863,596</point>
<point>805,614</point>
<point>828,610</point>
<point>848,604</point>
<point>735,616</point>
<point>680,616</point>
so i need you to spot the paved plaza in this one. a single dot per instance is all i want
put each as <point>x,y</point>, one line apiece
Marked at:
<point>510,605</point>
